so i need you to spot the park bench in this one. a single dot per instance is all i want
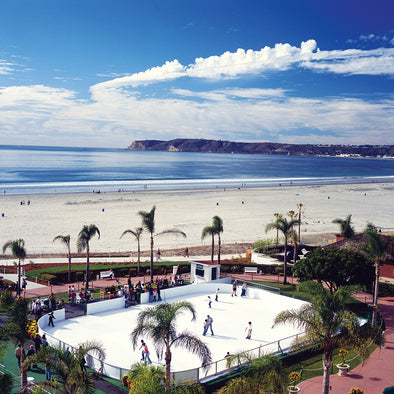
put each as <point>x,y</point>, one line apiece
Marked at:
<point>106,274</point>
<point>250,270</point>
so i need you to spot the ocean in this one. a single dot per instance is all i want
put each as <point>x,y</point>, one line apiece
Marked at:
<point>37,169</point>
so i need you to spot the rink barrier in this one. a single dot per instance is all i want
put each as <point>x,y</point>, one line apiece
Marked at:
<point>212,370</point>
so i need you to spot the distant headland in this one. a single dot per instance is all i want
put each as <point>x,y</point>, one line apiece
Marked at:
<point>265,148</point>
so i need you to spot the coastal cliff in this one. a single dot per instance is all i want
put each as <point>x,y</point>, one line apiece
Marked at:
<point>267,148</point>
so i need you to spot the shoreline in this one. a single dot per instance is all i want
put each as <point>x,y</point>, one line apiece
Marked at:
<point>245,212</point>
<point>141,186</point>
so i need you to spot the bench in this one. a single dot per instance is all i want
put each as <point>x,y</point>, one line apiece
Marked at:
<point>250,270</point>
<point>106,274</point>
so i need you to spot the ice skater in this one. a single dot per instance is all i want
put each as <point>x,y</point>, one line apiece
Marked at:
<point>209,321</point>
<point>209,302</point>
<point>205,327</point>
<point>243,293</point>
<point>217,295</point>
<point>248,330</point>
<point>234,293</point>
<point>50,319</point>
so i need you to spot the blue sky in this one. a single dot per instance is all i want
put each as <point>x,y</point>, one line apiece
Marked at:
<point>103,73</point>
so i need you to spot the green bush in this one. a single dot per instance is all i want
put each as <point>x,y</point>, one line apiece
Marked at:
<point>279,270</point>
<point>79,276</point>
<point>52,279</point>
<point>262,245</point>
<point>386,289</point>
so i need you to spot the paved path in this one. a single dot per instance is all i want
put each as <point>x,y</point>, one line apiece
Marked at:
<point>377,372</point>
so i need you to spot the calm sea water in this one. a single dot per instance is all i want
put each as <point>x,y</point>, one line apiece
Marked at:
<point>25,169</point>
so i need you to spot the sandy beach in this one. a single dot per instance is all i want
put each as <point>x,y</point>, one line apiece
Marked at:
<point>245,213</point>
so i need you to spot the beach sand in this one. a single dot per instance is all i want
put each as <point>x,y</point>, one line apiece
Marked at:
<point>245,213</point>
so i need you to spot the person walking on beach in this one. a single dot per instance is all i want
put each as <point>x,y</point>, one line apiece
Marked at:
<point>209,321</point>
<point>248,330</point>
<point>217,295</point>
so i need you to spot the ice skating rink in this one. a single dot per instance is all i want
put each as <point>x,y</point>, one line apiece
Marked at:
<point>230,317</point>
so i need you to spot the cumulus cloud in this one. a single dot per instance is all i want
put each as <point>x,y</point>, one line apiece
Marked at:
<point>230,65</point>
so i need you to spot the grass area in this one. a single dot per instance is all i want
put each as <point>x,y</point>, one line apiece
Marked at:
<point>310,363</point>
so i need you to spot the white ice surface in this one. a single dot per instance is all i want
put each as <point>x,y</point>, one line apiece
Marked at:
<point>230,315</point>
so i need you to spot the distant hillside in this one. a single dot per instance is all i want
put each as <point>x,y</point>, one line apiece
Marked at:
<point>267,148</point>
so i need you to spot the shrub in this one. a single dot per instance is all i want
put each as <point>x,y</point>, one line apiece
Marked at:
<point>262,245</point>
<point>356,390</point>
<point>279,270</point>
<point>48,277</point>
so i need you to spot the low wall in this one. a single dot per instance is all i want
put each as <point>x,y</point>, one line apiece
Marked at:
<point>105,305</point>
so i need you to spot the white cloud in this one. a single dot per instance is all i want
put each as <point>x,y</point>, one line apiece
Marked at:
<point>57,117</point>
<point>232,65</point>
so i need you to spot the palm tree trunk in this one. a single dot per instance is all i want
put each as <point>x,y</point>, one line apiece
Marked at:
<point>69,264</point>
<point>375,294</point>
<point>277,236</point>
<point>151,257</point>
<point>327,362</point>
<point>213,248</point>
<point>23,373</point>
<point>167,359</point>
<point>18,290</point>
<point>138,258</point>
<point>219,246</point>
<point>285,263</point>
<point>87,265</point>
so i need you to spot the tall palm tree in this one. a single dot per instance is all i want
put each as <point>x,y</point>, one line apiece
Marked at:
<point>159,324</point>
<point>285,227</point>
<point>322,320</point>
<point>148,222</point>
<point>217,223</point>
<point>18,250</point>
<point>294,241</point>
<point>345,225</point>
<point>16,330</point>
<point>277,216</point>
<point>210,231</point>
<point>68,366</point>
<point>299,206</point>
<point>65,240</point>
<point>377,249</point>
<point>137,234</point>
<point>84,237</point>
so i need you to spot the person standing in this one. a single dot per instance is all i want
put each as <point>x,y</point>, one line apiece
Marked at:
<point>47,370</point>
<point>146,353</point>
<point>37,342</point>
<point>30,354</point>
<point>18,354</point>
<point>209,302</point>
<point>234,293</point>
<point>243,293</point>
<point>209,321</point>
<point>248,330</point>
<point>205,327</point>
<point>50,319</point>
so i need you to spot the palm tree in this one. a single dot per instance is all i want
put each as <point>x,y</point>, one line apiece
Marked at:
<point>285,227</point>
<point>159,324</point>
<point>16,329</point>
<point>65,239</point>
<point>84,237</point>
<point>137,234</point>
<point>294,241</point>
<point>263,374</point>
<point>210,231</point>
<point>327,324</point>
<point>347,230</point>
<point>148,222</point>
<point>299,206</point>
<point>277,216</point>
<point>377,249</point>
<point>217,223</point>
<point>73,377</point>
<point>18,250</point>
